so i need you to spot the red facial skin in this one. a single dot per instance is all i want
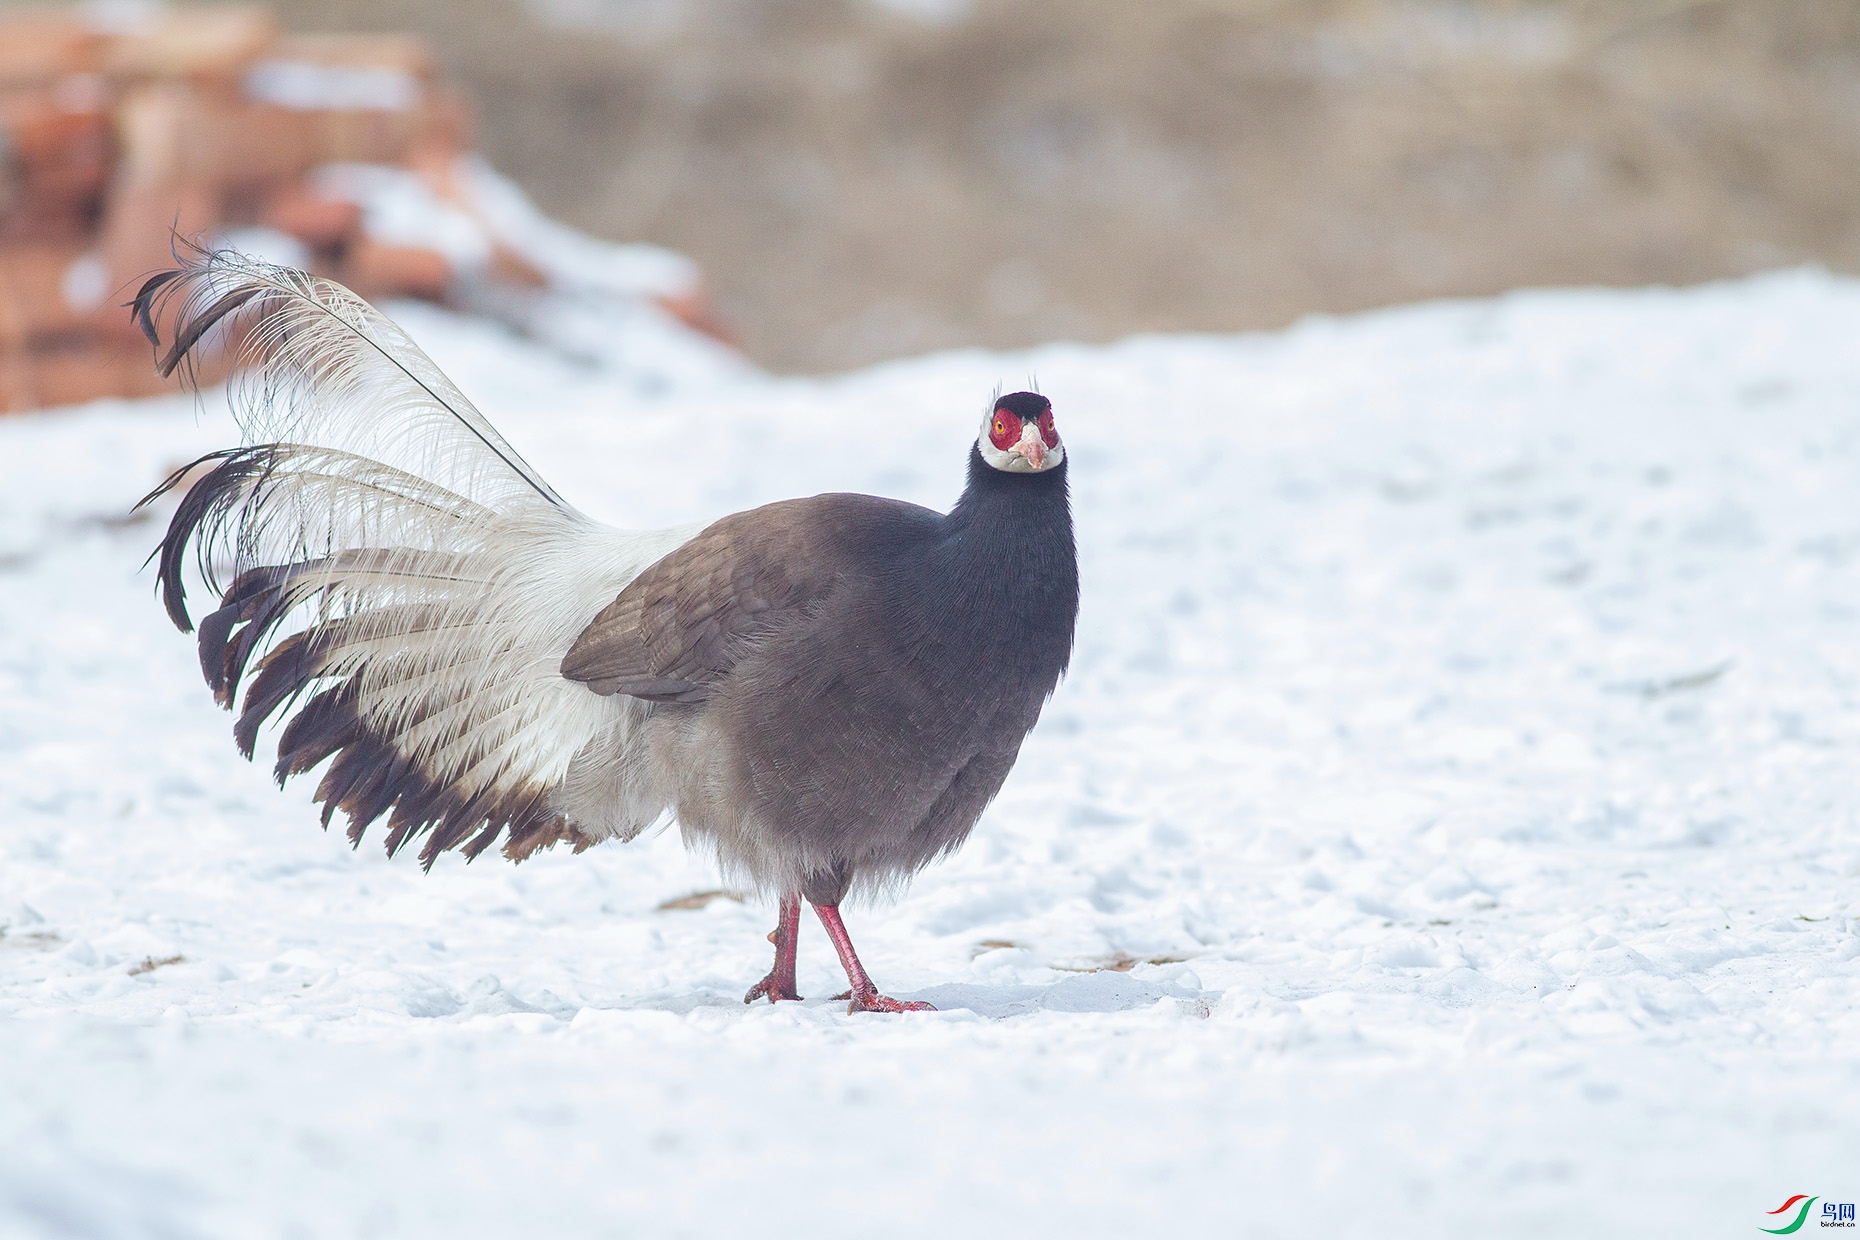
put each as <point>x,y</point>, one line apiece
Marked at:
<point>1004,431</point>
<point>1048,431</point>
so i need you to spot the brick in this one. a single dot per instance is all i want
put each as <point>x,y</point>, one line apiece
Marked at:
<point>696,310</point>
<point>174,132</point>
<point>446,122</point>
<point>257,144</point>
<point>15,383</point>
<point>376,270</point>
<point>325,223</point>
<point>156,130</point>
<point>365,136</point>
<point>408,54</point>
<point>34,223</point>
<point>40,47</point>
<point>75,374</point>
<point>58,155</point>
<point>509,267</point>
<point>142,225</point>
<point>48,291</point>
<point>206,45</point>
<point>75,371</point>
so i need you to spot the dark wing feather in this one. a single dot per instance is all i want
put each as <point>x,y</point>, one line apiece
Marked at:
<point>683,624</point>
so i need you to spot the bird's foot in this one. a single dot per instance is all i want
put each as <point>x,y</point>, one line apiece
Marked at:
<point>774,989</point>
<point>872,1001</point>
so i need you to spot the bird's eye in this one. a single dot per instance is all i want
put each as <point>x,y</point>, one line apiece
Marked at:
<point>1048,431</point>
<point>1005,432</point>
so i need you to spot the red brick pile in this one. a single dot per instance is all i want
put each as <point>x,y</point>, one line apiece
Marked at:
<point>193,122</point>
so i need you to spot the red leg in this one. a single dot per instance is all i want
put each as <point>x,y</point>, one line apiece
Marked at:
<point>779,984</point>
<point>864,995</point>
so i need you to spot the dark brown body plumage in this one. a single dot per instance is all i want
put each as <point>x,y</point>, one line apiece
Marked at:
<point>851,677</point>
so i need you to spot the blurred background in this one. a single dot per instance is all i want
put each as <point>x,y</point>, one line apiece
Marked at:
<point>866,179</point>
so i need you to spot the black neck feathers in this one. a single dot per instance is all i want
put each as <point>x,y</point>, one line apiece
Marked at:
<point>994,490</point>
<point>1007,566</point>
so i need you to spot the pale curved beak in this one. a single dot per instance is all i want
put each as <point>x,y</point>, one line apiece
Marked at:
<point>1031,445</point>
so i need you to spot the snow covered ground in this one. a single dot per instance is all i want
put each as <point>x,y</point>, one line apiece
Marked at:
<point>1448,828</point>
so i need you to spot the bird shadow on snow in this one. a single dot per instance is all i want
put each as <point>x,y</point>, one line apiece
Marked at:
<point>1103,991</point>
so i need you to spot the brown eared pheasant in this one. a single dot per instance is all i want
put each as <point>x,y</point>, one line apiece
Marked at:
<point>824,692</point>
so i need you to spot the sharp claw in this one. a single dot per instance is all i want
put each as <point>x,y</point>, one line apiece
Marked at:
<point>766,987</point>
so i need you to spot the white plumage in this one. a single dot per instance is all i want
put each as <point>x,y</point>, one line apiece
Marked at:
<point>391,553</point>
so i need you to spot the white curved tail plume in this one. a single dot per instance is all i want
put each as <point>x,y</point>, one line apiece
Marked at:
<point>400,578</point>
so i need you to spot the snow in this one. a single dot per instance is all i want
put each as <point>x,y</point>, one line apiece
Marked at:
<point>600,303</point>
<point>1457,756</point>
<point>401,207</point>
<point>571,260</point>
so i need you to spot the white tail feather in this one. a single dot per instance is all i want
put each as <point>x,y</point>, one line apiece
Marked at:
<point>392,553</point>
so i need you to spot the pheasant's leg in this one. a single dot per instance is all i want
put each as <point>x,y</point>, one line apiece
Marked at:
<point>864,995</point>
<point>779,984</point>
